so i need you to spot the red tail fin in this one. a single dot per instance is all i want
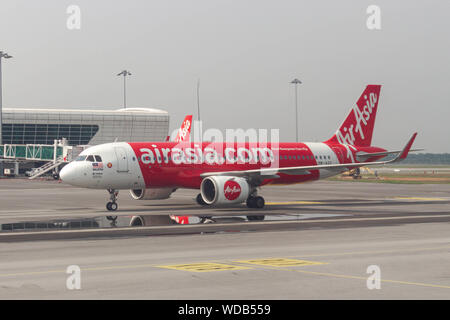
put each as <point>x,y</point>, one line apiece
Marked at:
<point>185,130</point>
<point>357,128</point>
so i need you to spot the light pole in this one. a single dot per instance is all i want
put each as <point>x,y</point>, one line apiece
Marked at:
<point>198,99</point>
<point>125,73</point>
<point>296,82</point>
<point>6,56</point>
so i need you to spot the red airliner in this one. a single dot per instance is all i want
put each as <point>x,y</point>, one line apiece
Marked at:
<point>229,173</point>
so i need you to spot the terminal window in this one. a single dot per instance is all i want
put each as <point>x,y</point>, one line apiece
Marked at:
<point>76,134</point>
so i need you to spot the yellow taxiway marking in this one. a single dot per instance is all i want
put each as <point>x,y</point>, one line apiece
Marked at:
<point>266,265</point>
<point>153,265</point>
<point>333,275</point>
<point>294,202</point>
<point>371,252</point>
<point>420,198</point>
<point>204,267</point>
<point>280,262</point>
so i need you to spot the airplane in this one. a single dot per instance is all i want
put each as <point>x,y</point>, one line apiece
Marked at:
<point>229,173</point>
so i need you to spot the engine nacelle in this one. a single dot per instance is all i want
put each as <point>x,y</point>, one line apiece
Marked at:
<point>151,194</point>
<point>222,190</point>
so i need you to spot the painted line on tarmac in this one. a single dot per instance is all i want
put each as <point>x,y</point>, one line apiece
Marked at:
<point>420,199</point>
<point>207,267</point>
<point>203,267</point>
<point>280,262</point>
<point>334,275</point>
<point>293,202</point>
<point>369,252</point>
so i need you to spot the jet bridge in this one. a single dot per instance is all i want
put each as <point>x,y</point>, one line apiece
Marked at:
<point>53,155</point>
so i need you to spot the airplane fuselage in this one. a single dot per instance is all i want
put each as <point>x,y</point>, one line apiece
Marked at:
<point>174,165</point>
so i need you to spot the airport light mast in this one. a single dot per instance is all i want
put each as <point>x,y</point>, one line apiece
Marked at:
<point>296,82</point>
<point>5,56</point>
<point>125,73</point>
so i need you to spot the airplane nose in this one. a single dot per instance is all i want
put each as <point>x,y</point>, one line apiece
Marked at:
<point>67,174</point>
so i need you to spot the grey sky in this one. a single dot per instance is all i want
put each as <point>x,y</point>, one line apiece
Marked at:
<point>245,53</point>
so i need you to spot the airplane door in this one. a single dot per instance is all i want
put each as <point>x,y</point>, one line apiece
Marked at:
<point>122,159</point>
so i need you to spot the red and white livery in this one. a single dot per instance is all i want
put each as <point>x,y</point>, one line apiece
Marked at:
<point>229,173</point>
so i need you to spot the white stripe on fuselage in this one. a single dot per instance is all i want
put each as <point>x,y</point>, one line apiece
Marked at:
<point>324,155</point>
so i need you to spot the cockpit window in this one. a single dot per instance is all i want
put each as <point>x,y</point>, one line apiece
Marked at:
<point>98,158</point>
<point>90,158</point>
<point>80,158</point>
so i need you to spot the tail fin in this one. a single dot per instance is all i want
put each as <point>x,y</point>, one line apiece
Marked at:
<point>357,128</point>
<point>185,131</point>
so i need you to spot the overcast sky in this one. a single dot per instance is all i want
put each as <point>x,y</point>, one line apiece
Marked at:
<point>245,54</point>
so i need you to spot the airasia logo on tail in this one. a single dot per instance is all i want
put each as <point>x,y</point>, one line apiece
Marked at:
<point>357,129</point>
<point>185,130</point>
<point>232,190</point>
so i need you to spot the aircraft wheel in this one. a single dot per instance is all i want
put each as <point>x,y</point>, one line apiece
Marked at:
<point>259,202</point>
<point>112,206</point>
<point>251,202</point>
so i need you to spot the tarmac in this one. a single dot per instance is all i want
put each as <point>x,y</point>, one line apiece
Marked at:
<point>319,240</point>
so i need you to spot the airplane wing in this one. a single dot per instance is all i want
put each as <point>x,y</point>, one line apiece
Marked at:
<point>266,173</point>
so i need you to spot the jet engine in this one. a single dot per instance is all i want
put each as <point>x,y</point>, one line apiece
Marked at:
<point>151,194</point>
<point>221,190</point>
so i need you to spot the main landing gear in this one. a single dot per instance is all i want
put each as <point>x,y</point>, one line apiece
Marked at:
<point>255,202</point>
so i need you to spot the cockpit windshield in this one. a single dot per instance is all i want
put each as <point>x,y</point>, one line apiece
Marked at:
<point>90,158</point>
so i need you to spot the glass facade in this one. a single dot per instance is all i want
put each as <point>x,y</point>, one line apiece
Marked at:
<point>76,134</point>
<point>83,127</point>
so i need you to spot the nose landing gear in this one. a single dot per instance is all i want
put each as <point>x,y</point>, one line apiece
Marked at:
<point>112,205</point>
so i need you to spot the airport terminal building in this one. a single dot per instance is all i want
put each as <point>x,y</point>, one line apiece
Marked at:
<point>83,127</point>
<point>29,135</point>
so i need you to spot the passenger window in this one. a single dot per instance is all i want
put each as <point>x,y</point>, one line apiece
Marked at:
<point>90,158</point>
<point>98,158</point>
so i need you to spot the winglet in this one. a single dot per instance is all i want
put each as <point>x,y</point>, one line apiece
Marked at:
<point>406,149</point>
<point>185,130</point>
